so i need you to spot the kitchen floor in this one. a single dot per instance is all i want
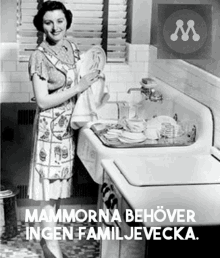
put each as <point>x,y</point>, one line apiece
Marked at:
<point>19,247</point>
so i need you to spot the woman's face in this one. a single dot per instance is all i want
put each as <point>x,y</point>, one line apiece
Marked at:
<point>54,25</point>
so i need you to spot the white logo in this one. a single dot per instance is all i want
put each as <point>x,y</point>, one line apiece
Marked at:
<point>185,35</point>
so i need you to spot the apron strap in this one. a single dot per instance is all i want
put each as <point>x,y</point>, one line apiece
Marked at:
<point>76,51</point>
<point>56,62</point>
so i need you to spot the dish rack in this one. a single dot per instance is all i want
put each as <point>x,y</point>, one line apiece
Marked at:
<point>185,139</point>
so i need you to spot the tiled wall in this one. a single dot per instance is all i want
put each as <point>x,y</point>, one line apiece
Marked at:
<point>121,77</point>
<point>15,84</point>
<point>142,62</point>
<point>190,80</point>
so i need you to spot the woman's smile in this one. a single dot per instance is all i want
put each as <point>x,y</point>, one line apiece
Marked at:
<point>56,32</point>
<point>54,24</point>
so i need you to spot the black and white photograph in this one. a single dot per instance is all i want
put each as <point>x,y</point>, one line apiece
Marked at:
<point>110,128</point>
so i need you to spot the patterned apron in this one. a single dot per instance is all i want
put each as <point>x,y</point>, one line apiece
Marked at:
<point>54,147</point>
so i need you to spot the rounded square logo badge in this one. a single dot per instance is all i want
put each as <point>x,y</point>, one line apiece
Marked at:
<point>184,31</point>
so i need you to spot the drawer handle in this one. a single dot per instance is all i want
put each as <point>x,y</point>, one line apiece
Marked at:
<point>108,202</point>
<point>106,190</point>
<point>103,187</point>
<point>114,203</point>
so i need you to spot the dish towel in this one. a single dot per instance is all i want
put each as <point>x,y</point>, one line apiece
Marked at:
<point>89,102</point>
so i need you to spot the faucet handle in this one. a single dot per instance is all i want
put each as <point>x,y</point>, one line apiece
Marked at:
<point>156,95</point>
<point>152,90</point>
<point>148,83</point>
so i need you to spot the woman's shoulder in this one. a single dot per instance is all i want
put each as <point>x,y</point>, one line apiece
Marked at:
<point>38,64</point>
<point>37,55</point>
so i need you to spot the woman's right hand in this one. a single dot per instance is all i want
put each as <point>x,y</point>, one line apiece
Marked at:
<point>88,79</point>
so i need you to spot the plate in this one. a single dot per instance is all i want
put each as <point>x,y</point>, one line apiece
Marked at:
<point>132,136</point>
<point>93,59</point>
<point>126,140</point>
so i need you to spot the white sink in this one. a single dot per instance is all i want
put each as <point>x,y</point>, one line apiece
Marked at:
<point>91,151</point>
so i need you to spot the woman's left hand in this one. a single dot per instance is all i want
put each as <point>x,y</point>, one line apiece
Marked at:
<point>87,80</point>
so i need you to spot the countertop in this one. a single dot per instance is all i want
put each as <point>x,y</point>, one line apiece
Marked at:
<point>201,200</point>
<point>170,170</point>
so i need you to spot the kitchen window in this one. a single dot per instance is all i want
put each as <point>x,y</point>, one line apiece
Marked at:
<point>95,22</point>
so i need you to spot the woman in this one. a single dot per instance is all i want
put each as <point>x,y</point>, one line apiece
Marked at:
<point>52,69</point>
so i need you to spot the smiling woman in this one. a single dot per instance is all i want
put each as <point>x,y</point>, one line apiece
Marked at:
<point>52,70</point>
<point>54,25</point>
<point>54,22</point>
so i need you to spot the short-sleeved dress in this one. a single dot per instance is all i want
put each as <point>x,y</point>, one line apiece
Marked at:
<point>53,148</point>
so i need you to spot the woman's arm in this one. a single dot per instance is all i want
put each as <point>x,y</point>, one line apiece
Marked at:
<point>46,100</point>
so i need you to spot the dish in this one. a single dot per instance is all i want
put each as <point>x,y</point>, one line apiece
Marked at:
<point>164,126</point>
<point>128,137</point>
<point>113,134</point>
<point>137,126</point>
<point>93,59</point>
<point>125,140</point>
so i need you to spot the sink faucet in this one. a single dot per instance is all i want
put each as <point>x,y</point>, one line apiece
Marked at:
<point>150,93</point>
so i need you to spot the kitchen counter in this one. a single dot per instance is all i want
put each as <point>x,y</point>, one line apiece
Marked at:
<point>198,188</point>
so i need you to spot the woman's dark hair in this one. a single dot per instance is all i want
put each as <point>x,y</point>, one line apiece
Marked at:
<point>51,6</point>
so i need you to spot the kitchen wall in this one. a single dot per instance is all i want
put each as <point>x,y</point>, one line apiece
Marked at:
<point>15,84</point>
<point>202,84</point>
<point>192,81</point>
<point>8,21</point>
